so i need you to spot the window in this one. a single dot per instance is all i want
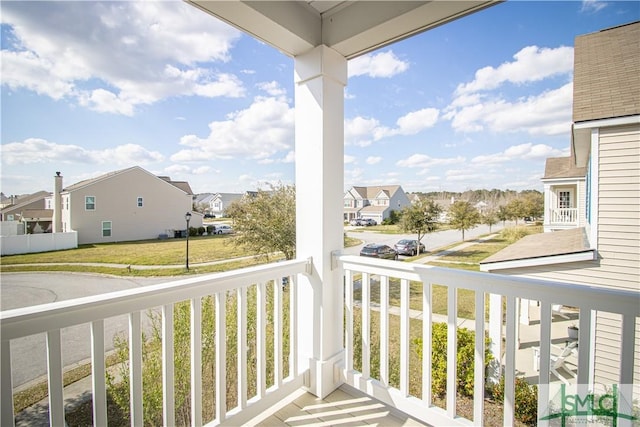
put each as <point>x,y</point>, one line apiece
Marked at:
<point>106,228</point>
<point>90,203</point>
<point>564,199</point>
<point>140,202</point>
<point>66,203</point>
<point>347,203</point>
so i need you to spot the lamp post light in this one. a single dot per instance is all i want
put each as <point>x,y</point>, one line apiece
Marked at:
<point>187,217</point>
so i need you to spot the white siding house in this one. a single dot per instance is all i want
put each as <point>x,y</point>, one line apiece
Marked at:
<point>599,188</point>
<point>374,202</point>
<point>129,204</point>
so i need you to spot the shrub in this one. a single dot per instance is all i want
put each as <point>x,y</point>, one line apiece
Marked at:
<point>513,234</point>
<point>526,405</point>
<point>201,231</point>
<point>193,231</point>
<point>210,229</point>
<point>466,351</point>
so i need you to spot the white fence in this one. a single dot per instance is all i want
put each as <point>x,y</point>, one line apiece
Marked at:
<point>42,242</point>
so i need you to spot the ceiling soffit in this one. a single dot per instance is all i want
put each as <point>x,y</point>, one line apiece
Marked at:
<point>352,28</point>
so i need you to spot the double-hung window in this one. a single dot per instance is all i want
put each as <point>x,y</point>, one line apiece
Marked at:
<point>140,202</point>
<point>106,228</point>
<point>90,203</point>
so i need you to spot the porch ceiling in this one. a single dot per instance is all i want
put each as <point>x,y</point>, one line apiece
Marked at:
<point>352,28</point>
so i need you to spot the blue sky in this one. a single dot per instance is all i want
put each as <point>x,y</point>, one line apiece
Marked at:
<point>92,87</point>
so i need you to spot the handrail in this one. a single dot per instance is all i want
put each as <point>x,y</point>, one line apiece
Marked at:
<point>626,302</point>
<point>25,321</point>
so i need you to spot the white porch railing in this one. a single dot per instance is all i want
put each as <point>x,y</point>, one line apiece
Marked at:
<point>92,311</point>
<point>51,318</point>
<point>563,216</point>
<point>587,299</point>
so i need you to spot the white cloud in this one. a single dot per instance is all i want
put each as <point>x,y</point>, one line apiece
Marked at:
<point>527,151</point>
<point>373,160</point>
<point>417,121</point>
<point>424,161</point>
<point>349,159</point>
<point>546,114</point>
<point>36,150</point>
<point>593,6</point>
<point>272,88</point>
<point>363,131</point>
<point>257,132</point>
<point>383,64</point>
<point>484,104</point>
<point>114,56</point>
<point>531,64</point>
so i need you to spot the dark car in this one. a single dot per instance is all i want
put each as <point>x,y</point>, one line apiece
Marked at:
<point>376,250</point>
<point>409,247</point>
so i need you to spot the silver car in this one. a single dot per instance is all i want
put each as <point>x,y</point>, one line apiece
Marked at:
<point>409,247</point>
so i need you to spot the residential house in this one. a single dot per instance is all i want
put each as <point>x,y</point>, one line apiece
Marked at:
<point>128,204</point>
<point>220,202</point>
<point>15,210</point>
<point>374,202</point>
<point>592,198</point>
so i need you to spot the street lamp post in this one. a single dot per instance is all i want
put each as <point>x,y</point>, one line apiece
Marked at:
<point>187,217</point>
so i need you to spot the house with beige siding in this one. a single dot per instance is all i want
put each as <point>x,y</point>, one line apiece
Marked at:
<point>124,205</point>
<point>375,202</point>
<point>592,198</point>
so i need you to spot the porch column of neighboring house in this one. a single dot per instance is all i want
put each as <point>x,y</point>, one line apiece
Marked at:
<point>320,78</point>
<point>548,205</point>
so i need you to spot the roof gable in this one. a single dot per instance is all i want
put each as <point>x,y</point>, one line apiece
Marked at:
<point>181,185</point>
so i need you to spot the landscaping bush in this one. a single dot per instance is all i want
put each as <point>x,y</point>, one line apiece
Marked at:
<point>526,405</point>
<point>513,234</point>
<point>193,231</point>
<point>210,229</point>
<point>465,363</point>
<point>201,231</point>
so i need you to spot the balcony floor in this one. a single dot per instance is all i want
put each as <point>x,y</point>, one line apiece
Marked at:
<point>344,407</point>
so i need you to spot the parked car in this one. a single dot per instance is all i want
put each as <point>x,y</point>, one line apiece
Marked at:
<point>409,247</point>
<point>223,229</point>
<point>208,215</point>
<point>376,250</point>
<point>356,221</point>
<point>368,221</point>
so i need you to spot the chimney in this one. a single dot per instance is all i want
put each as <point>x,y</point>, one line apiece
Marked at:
<point>57,204</point>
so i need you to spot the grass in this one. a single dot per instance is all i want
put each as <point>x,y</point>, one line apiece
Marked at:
<point>146,252</point>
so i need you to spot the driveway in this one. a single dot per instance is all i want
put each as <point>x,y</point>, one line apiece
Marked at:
<point>28,355</point>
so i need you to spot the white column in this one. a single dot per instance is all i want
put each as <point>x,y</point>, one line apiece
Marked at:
<point>320,78</point>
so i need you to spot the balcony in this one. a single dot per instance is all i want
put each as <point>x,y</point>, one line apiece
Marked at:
<point>288,330</point>
<point>564,216</point>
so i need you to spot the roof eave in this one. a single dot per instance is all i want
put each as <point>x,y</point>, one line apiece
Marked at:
<point>588,255</point>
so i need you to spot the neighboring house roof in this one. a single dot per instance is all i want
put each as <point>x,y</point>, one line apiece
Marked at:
<point>182,185</point>
<point>544,248</point>
<point>26,200</point>
<point>370,193</point>
<point>204,197</point>
<point>606,70</point>
<point>374,209</point>
<point>563,167</point>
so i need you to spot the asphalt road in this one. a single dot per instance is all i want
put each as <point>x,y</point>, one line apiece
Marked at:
<point>28,355</point>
